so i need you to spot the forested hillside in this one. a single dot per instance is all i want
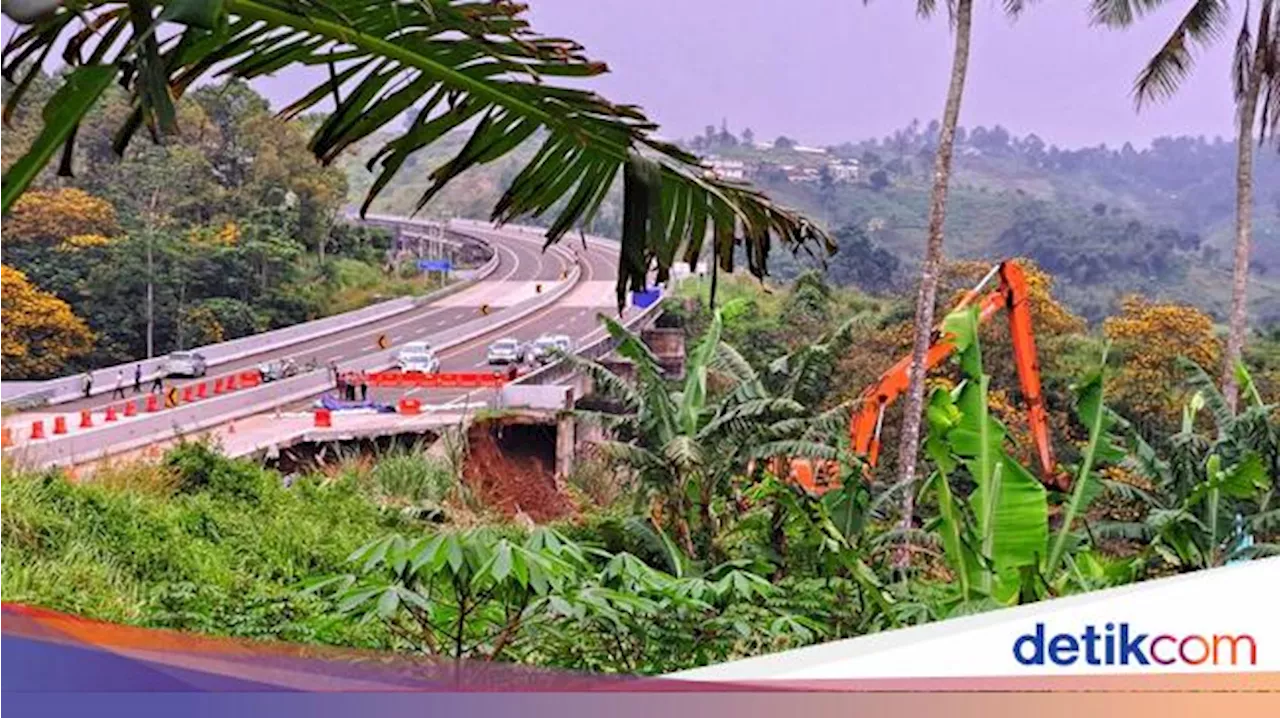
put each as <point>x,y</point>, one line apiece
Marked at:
<point>230,226</point>
<point>1106,222</point>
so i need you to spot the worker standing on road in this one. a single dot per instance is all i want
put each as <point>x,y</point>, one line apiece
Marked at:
<point>351,387</point>
<point>157,382</point>
<point>334,376</point>
<point>119,390</point>
<point>137,378</point>
<point>364,387</point>
<point>87,384</point>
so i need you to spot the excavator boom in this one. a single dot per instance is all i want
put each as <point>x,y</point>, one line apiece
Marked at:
<point>1012,296</point>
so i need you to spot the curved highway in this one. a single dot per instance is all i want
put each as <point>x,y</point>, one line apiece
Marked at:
<point>521,265</point>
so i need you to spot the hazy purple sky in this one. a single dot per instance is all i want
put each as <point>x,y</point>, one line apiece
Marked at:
<point>824,71</point>
<point>829,70</point>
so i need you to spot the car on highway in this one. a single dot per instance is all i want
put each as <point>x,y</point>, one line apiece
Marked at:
<point>418,356</point>
<point>506,351</point>
<point>277,370</point>
<point>186,364</point>
<point>548,347</point>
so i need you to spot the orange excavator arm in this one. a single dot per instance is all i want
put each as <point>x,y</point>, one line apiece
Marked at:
<point>1012,296</point>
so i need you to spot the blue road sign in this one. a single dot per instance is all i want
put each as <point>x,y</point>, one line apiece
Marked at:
<point>434,265</point>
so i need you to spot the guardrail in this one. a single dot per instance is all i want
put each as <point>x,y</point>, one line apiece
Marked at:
<point>187,419</point>
<point>596,349</point>
<point>56,391</point>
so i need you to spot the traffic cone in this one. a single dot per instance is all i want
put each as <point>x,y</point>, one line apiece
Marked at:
<point>37,430</point>
<point>153,403</point>
<point>188,395</point>
<point>111,414</point>
<point>231,383</point>
<point>86,419</point>
<point>202,391</point>
<point>131,408</point>
<point>59,424</point>
<point>217,385</point>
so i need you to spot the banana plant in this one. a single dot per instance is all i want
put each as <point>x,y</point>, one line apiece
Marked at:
<point>451,65</point>
<point>1000,531</point>
<point>997,539</point>
<point>1210,493</point>
<point>685,443</point>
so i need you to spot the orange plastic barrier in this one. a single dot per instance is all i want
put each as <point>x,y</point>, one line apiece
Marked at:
<point>6,437</point>
<point>111,414</point>
<point>202,391</point>
<point>130,408</point>
<point>451,380</point>
<point>323,418</point>
<point>59,424</point>
<point>410,406</point>
<point>188,395</point>
<point>217,385</point>
<point>153,403</point>
<point>37,430</point>
<point>86,419</point>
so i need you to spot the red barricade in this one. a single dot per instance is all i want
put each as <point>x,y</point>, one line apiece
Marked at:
<point>202,391</point>
<point>111,414</point>
<point>59,424</point>
<point>37,430</point>
<point>130,408</point>
<point>217,385</point>
<point>323,418</point>
<point>153,403</point>
<point>188,395</point>
<point>410,406</point>
<point>86,419</point>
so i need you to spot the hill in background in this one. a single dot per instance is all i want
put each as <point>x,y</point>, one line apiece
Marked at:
<point>1106,222</point>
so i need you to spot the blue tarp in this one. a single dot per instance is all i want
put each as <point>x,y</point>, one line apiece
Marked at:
<point>333,403</point>
<point>646,298</point>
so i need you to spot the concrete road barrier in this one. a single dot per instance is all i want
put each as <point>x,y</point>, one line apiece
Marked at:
<point>64,389</point>
<point>189,419</point>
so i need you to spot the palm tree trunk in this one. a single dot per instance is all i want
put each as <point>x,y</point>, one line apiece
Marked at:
<point>1239,321</point>
<point>909,446</point>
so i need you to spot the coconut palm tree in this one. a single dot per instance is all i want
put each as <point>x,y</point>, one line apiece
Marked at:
<point>961,17</point>
<point>1255,77</point>
<point>450,65</point>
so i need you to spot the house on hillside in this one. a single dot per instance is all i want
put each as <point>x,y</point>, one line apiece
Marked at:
<point>728,169</point>
<point>801,174</point>
<point>845,171</point>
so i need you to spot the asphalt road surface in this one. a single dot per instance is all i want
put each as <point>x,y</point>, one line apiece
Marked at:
<point>521,263</point>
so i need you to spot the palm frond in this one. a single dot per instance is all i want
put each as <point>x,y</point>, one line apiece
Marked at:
<point>1203,24</point>
<point>605,381</point>
<point>1120,13</point>
<point>456,65</point>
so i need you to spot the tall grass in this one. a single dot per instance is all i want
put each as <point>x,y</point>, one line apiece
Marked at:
<point>216,545</point>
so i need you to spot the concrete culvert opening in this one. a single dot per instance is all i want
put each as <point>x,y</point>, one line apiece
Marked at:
<point>511,465</point>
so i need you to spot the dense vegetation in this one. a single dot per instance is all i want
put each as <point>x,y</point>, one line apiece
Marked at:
<point>684,547</point>
<point>232,221</point>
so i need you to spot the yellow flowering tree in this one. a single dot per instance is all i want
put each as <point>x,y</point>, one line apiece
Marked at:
<point>51,216</point>
<point>40,332</point>
<point>1148,338</point>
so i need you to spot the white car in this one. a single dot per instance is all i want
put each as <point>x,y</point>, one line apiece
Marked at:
<point>186,364</point>
<point>547,347</point>
<point>506,351</point>
<point>418,356</point>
